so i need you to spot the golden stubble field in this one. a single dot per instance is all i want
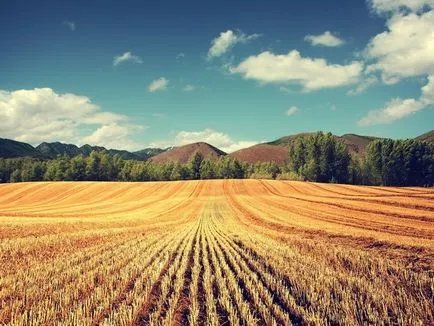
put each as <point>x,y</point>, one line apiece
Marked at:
<point>232,252</point>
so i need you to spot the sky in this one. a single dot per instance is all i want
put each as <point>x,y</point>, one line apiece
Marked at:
<point>136,74</point>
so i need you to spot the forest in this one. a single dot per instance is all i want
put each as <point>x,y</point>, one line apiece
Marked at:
<point>317,157</point>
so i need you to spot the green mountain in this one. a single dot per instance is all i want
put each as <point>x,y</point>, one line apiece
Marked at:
<point>11,148</point>
<point>56,148</point>
<point>146,153</point>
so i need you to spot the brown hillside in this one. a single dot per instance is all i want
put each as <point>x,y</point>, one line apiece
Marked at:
<point>428,137</point>
<point>183,154</point>
<point>356,144</point>
<point>262,153</point>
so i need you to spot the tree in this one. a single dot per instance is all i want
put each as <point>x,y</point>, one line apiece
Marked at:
<point>207,169</point>
<point>194,164</point>
<point>400,163</point>
<point>77,168</point>
<point>16,176</point>
<point>92,166</point>
<point>319,157</point>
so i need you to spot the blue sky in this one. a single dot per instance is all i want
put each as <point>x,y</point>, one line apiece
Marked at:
<point>133,74</point>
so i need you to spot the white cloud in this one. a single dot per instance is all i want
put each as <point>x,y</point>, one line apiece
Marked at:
<point>311,73</point>
<point>180,56</point>
<point>189,88</point>
<point>210,136</point>
<point>127,56</point>
<point>41,114</point>
<point>69,24</point>
<point>159,84</point>
<point>405,49</point>
<point>384,6</point>
<point>324,39</point>
<point>292,111</point>
<point>363,85</point>
<point>104,118</point>
<point>226,40</point>
<point>114,136</point>
<point>397,108</point>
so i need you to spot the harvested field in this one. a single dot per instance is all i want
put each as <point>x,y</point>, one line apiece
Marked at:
<point>232,252</point>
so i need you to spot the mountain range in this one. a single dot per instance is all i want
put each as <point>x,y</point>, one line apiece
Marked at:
<point>274,151</point>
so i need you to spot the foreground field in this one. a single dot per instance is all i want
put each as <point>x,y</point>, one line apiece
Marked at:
<point>237,252</point>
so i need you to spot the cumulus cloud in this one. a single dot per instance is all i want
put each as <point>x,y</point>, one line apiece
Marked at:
<point>41,114</point>
<point>226,40</point>
<point>159,84</point>
<point>69,24</point>
<point>384,6</point>
<point>292,111</point>
<point>189,88</point>
<point>363,85</point>
<point>311,73</point>
<point>397,108</point>
<point>324,39</point>
<point>215,138</point>
<point>114,136</point>
<point>405,49</point>
<point>127,56</point>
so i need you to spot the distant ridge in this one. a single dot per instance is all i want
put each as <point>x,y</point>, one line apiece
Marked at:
<point>57,148</point>
<point>183,154</point>
<point>274,151</point>
<point>146,153</point>
<point>12,148</point>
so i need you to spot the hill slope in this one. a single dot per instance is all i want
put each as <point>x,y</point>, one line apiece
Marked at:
<point>428,137</point>
<point>11,148</point>
<point>262,153</point>
<point>183,154</point>
<point>356,143</point>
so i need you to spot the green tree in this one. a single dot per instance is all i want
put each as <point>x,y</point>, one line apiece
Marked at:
<point>319,157</point>
<point>194,164</point>
<point>207,169</point>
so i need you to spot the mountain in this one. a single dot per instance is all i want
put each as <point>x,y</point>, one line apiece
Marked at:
<point>277,150</point>
<point>123,154</point>
<point>287,141</point>
<point>274,151</point>
<point>54,149</point>
<point>262,153</point>
<point>57,148</point>
<point>11,148</point>
<point>183,154</point>
<point>356,144</point>
<point>428,137</point>
<point>146,153</point>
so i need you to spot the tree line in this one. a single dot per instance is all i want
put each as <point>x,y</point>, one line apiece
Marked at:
<point>318,157</point>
